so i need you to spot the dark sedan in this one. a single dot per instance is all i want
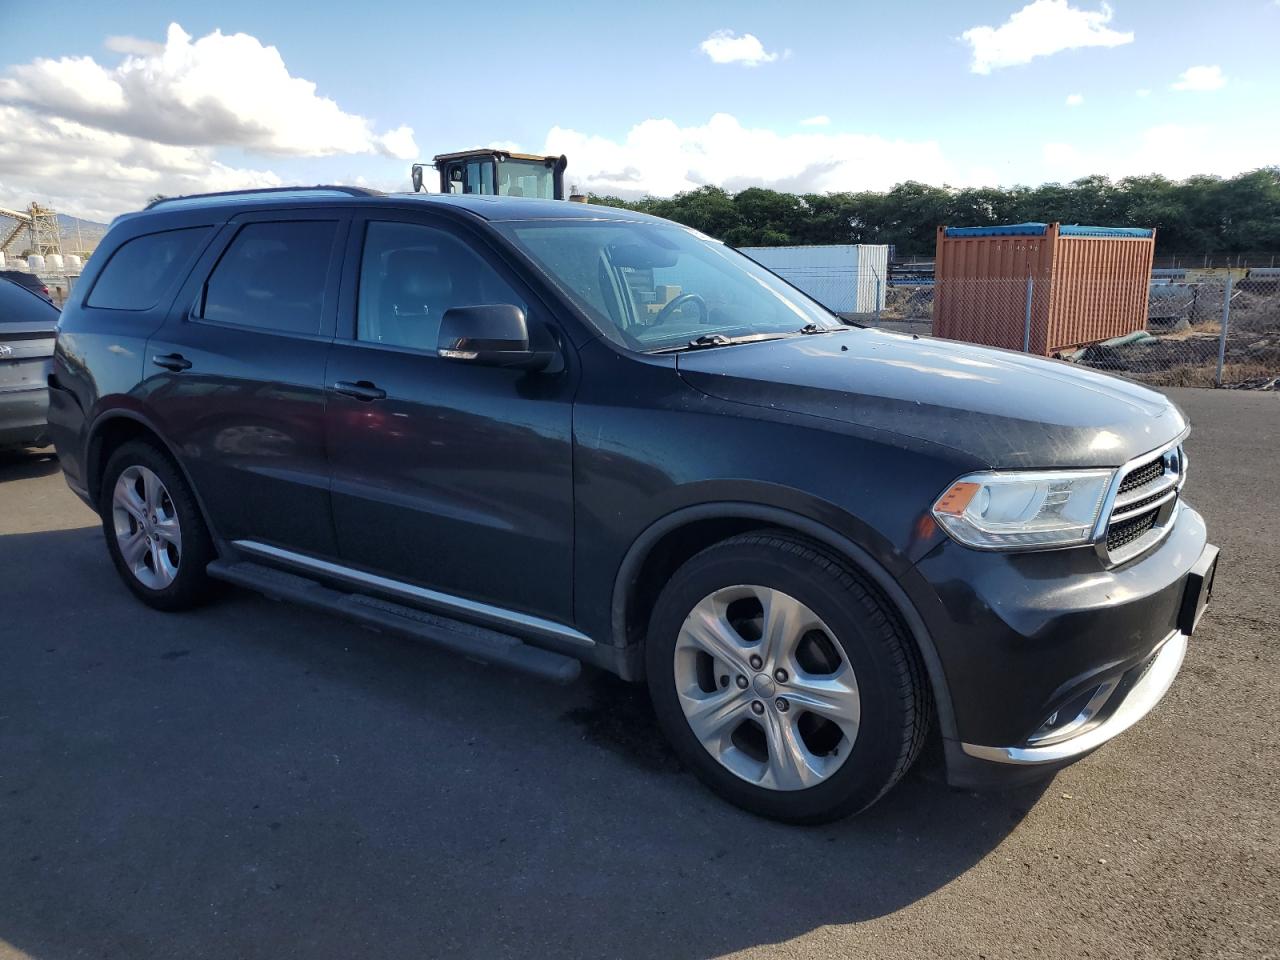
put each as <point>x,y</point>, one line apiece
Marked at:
<point>28,281</point>
<point>28,324</point>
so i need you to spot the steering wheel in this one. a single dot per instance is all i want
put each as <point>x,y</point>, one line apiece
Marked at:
<point>679,302</point>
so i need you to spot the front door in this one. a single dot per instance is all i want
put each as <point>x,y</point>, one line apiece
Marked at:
<point>451,477</point>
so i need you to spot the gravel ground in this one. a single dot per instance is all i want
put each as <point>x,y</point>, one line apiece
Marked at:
<point>252,780</point>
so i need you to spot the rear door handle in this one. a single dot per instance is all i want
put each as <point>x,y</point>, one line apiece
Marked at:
<point>360,390</point>
<point>172,361</point>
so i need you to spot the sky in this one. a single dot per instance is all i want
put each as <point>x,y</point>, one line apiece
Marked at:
<point>107,104</point>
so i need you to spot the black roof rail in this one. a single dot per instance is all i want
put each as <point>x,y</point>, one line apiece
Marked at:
<point>350,191</point>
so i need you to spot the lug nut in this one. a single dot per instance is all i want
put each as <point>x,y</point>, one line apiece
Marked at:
<point>757,706</point>
<point>756,662</point>
<point>782,705</point>
<point>724,680</point>
<point>780,675</point>
<point>742,682</point>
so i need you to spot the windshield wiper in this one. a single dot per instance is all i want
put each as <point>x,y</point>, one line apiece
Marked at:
<point>707,340</point>
<point>811,328</point>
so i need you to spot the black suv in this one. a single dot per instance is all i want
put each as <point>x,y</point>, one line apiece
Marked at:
<point>539,433</point>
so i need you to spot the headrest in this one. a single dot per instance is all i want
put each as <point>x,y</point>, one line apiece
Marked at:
<point>421,276</point>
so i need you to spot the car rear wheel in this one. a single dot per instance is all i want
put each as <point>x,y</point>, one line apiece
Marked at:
<point>155,533</point>
<point>783,680</point>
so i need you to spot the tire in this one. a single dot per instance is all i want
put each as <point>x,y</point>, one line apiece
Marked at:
<point>171,575</point>
<point>852,668</point>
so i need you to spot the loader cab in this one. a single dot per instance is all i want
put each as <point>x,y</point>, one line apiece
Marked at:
<point>498,173</point>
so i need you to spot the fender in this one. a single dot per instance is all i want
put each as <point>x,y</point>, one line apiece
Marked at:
<point>92,479</point>
<point>861,559</point>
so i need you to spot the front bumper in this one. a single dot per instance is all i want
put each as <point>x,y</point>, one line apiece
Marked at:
<point>1047,656</point>
<point>1156,676</point>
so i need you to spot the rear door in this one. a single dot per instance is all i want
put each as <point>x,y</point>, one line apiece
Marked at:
<point>237,376</point>
<point>27,327</point>
<point>453,477</point>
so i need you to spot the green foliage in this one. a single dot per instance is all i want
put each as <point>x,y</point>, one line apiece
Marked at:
<point>1197,215</point>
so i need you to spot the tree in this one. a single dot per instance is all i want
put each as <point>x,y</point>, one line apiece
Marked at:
<point>1198,215</point>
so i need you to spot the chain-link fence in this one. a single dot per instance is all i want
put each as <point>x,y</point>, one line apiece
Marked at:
<point>1221,330</point>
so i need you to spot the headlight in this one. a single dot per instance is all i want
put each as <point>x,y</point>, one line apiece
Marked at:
<point>1019,511</point>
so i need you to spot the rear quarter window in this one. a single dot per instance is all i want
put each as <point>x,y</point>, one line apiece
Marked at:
<point>140,270</point>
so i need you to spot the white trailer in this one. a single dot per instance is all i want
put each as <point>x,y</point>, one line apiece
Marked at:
<point>845,277</point>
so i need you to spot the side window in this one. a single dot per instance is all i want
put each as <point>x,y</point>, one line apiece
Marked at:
<point>138,272</point>
<point>410,275</point>
<point>272,276</point>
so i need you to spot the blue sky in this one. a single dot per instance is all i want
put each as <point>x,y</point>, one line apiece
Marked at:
<point>629,92</point>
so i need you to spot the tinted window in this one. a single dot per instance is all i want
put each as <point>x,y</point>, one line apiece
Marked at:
<point>140,270</point>
<point>19,305</point>
<point>272,276</point>
<point>410,275</point>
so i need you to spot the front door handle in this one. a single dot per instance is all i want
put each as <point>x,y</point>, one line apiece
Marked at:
<point>360,390</point>
<point>172,361</point>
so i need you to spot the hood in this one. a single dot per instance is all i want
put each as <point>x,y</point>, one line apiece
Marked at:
<point>1008,409</point>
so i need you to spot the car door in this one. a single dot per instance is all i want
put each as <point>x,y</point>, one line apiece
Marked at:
<point>453,477</point>
<point>237,376</point>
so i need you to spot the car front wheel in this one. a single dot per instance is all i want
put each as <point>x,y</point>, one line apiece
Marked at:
<point>783,680</point>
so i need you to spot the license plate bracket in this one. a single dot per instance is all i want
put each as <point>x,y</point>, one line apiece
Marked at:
<point>1198,590</point>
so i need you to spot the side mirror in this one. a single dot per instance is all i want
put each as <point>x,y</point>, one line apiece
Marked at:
<point>415,175</point>
<point>491,335</point>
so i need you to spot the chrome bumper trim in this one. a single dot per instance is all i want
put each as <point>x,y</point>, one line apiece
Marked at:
<point>1140,700</point>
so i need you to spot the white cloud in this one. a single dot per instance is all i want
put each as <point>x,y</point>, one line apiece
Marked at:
<point>662,158</point>
<point>1174,150</point>
<point>1075,99</point>
<point>216,91</point>
<point>399,143</point>
<point>724,46</point>
<point>1200,78</point>
<point>96,174</point>
<point>1040,29</point>
<point>123,43</point>
<point>821,120</point>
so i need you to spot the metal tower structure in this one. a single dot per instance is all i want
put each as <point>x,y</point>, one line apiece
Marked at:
<point>40,223</point>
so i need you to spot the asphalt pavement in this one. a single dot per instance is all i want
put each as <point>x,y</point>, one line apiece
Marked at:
<point>252,780</point>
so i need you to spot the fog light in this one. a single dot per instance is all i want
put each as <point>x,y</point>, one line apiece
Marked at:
<point>1073,716</point>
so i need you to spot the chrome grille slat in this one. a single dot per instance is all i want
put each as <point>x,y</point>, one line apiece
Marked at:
<point>1141,506</point>
<point>1144,504</point>
<point>1166,481</point>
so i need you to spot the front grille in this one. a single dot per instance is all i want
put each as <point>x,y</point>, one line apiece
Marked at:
<point>1139,504</point>
<point>1127,531</point>
<point>1144,503</point>
<point>1141,476</point>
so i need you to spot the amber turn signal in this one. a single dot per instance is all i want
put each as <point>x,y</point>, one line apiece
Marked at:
<point>957,498</point>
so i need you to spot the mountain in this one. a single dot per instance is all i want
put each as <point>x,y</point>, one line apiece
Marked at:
<point>79,234</point>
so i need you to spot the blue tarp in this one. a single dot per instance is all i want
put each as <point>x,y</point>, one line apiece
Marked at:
<point>1079,230</point>
<point>1039,230</point>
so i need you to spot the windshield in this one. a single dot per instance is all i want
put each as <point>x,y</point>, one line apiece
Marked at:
<point>653,286</point>
<point>526,178</point>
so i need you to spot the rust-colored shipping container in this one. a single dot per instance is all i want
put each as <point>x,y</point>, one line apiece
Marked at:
<point>1087,284</point>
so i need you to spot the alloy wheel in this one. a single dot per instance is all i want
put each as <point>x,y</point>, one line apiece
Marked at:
<point>766,688</point>
<point>146,526</point>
